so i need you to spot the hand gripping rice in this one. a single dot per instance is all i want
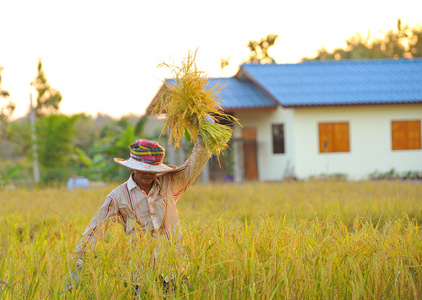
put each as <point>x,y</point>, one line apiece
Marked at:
<point>186,101</point>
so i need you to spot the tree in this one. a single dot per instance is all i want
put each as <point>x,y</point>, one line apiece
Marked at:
<point>55,135</point>
<point>259,50</point>
<point>6,110</point>
<point>404,42</point>
<point>415,42</point>
<point>88,133</point>
<point>48,99</point>
<point>224,62</point>
<point>114,140</point>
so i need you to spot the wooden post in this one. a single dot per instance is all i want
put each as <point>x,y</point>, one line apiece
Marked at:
<point>34,141</point>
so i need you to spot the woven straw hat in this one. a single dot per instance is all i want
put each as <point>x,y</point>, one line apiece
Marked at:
<point>146,156</point>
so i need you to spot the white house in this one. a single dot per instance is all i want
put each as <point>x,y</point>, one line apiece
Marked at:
<point>349,117</point>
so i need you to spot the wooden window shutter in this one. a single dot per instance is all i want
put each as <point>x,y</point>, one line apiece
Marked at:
<point>398,132</point>
<point>334,137</point>
<point>325,137</point>
<point>341,137</point>
<point>414,134</point>
<point>406,134</point>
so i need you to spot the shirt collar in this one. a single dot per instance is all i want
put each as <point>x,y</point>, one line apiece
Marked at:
<point>131,184</point>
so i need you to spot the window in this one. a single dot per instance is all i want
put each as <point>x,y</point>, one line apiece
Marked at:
<point>406,135</point>
<point>278,138</point>
<point>333,137</point>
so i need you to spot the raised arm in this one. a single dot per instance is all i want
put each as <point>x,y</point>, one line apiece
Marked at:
<point>186,174</point>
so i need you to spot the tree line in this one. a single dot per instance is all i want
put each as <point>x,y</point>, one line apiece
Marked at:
<point>67,145</point>
<point>82,145</point>
<point>404,42</point>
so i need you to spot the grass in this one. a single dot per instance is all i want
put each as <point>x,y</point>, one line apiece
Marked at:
<point>293,240</point>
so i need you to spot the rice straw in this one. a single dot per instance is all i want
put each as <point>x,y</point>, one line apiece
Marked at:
<point>186,101</point>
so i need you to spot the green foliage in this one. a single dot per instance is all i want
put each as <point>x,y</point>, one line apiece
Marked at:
<point>55,135</point>
<point>86,132</point>
<point>393,174</point>
<point>15,173</point>
<point>259,49</point>
<point>6,110</point>
<point>16,150</point>
<point>331,176</point>
<point>86,160</point>
<point>117,148</point>
<point>20,136</point>
<point>404,42</point>
<point>415,42</point>
<point>114,140</point>
<point>48,99</point>
<point>5,178</point>
<point>140,125</point>
<point>72,145</point>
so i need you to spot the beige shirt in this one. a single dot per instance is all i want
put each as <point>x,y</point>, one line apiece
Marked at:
<point>138,212</point>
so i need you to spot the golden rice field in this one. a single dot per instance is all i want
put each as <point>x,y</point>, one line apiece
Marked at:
<point>290,240</point>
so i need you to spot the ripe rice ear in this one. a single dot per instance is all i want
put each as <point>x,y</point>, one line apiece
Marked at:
<point>187,100</point>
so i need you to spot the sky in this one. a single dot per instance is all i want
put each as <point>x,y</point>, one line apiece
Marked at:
<point>103,55</point>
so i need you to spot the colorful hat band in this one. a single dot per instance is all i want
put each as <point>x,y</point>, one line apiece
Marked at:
<point>147,152</point>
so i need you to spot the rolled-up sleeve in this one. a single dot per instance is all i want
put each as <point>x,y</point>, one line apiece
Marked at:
<point>186,174</point>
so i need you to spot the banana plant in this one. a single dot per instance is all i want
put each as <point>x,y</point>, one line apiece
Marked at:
<point>5,178</point>
<point>99,163</point>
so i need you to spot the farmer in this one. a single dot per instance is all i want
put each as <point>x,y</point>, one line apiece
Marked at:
<point>147,199</point>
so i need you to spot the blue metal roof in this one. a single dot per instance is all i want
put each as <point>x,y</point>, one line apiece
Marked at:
<point>339,82</point>
<point>241,94</point>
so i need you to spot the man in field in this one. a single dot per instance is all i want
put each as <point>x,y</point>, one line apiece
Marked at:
<point>147,199</point>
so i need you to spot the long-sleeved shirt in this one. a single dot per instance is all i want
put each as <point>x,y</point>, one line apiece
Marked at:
<point>138,212</point>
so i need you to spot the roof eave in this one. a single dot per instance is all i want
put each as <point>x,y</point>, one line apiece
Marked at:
<point>241,109</point>
<point>352,104</point>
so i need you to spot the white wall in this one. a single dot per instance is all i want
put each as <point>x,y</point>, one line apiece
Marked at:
<point>370,141</point>
<point>270,166</point>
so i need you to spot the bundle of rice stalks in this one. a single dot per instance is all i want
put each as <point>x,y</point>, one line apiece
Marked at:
<point>187,101</point>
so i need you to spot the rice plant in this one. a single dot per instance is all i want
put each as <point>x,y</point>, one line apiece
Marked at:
<point>187,101</point>
<point>296,240</point>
